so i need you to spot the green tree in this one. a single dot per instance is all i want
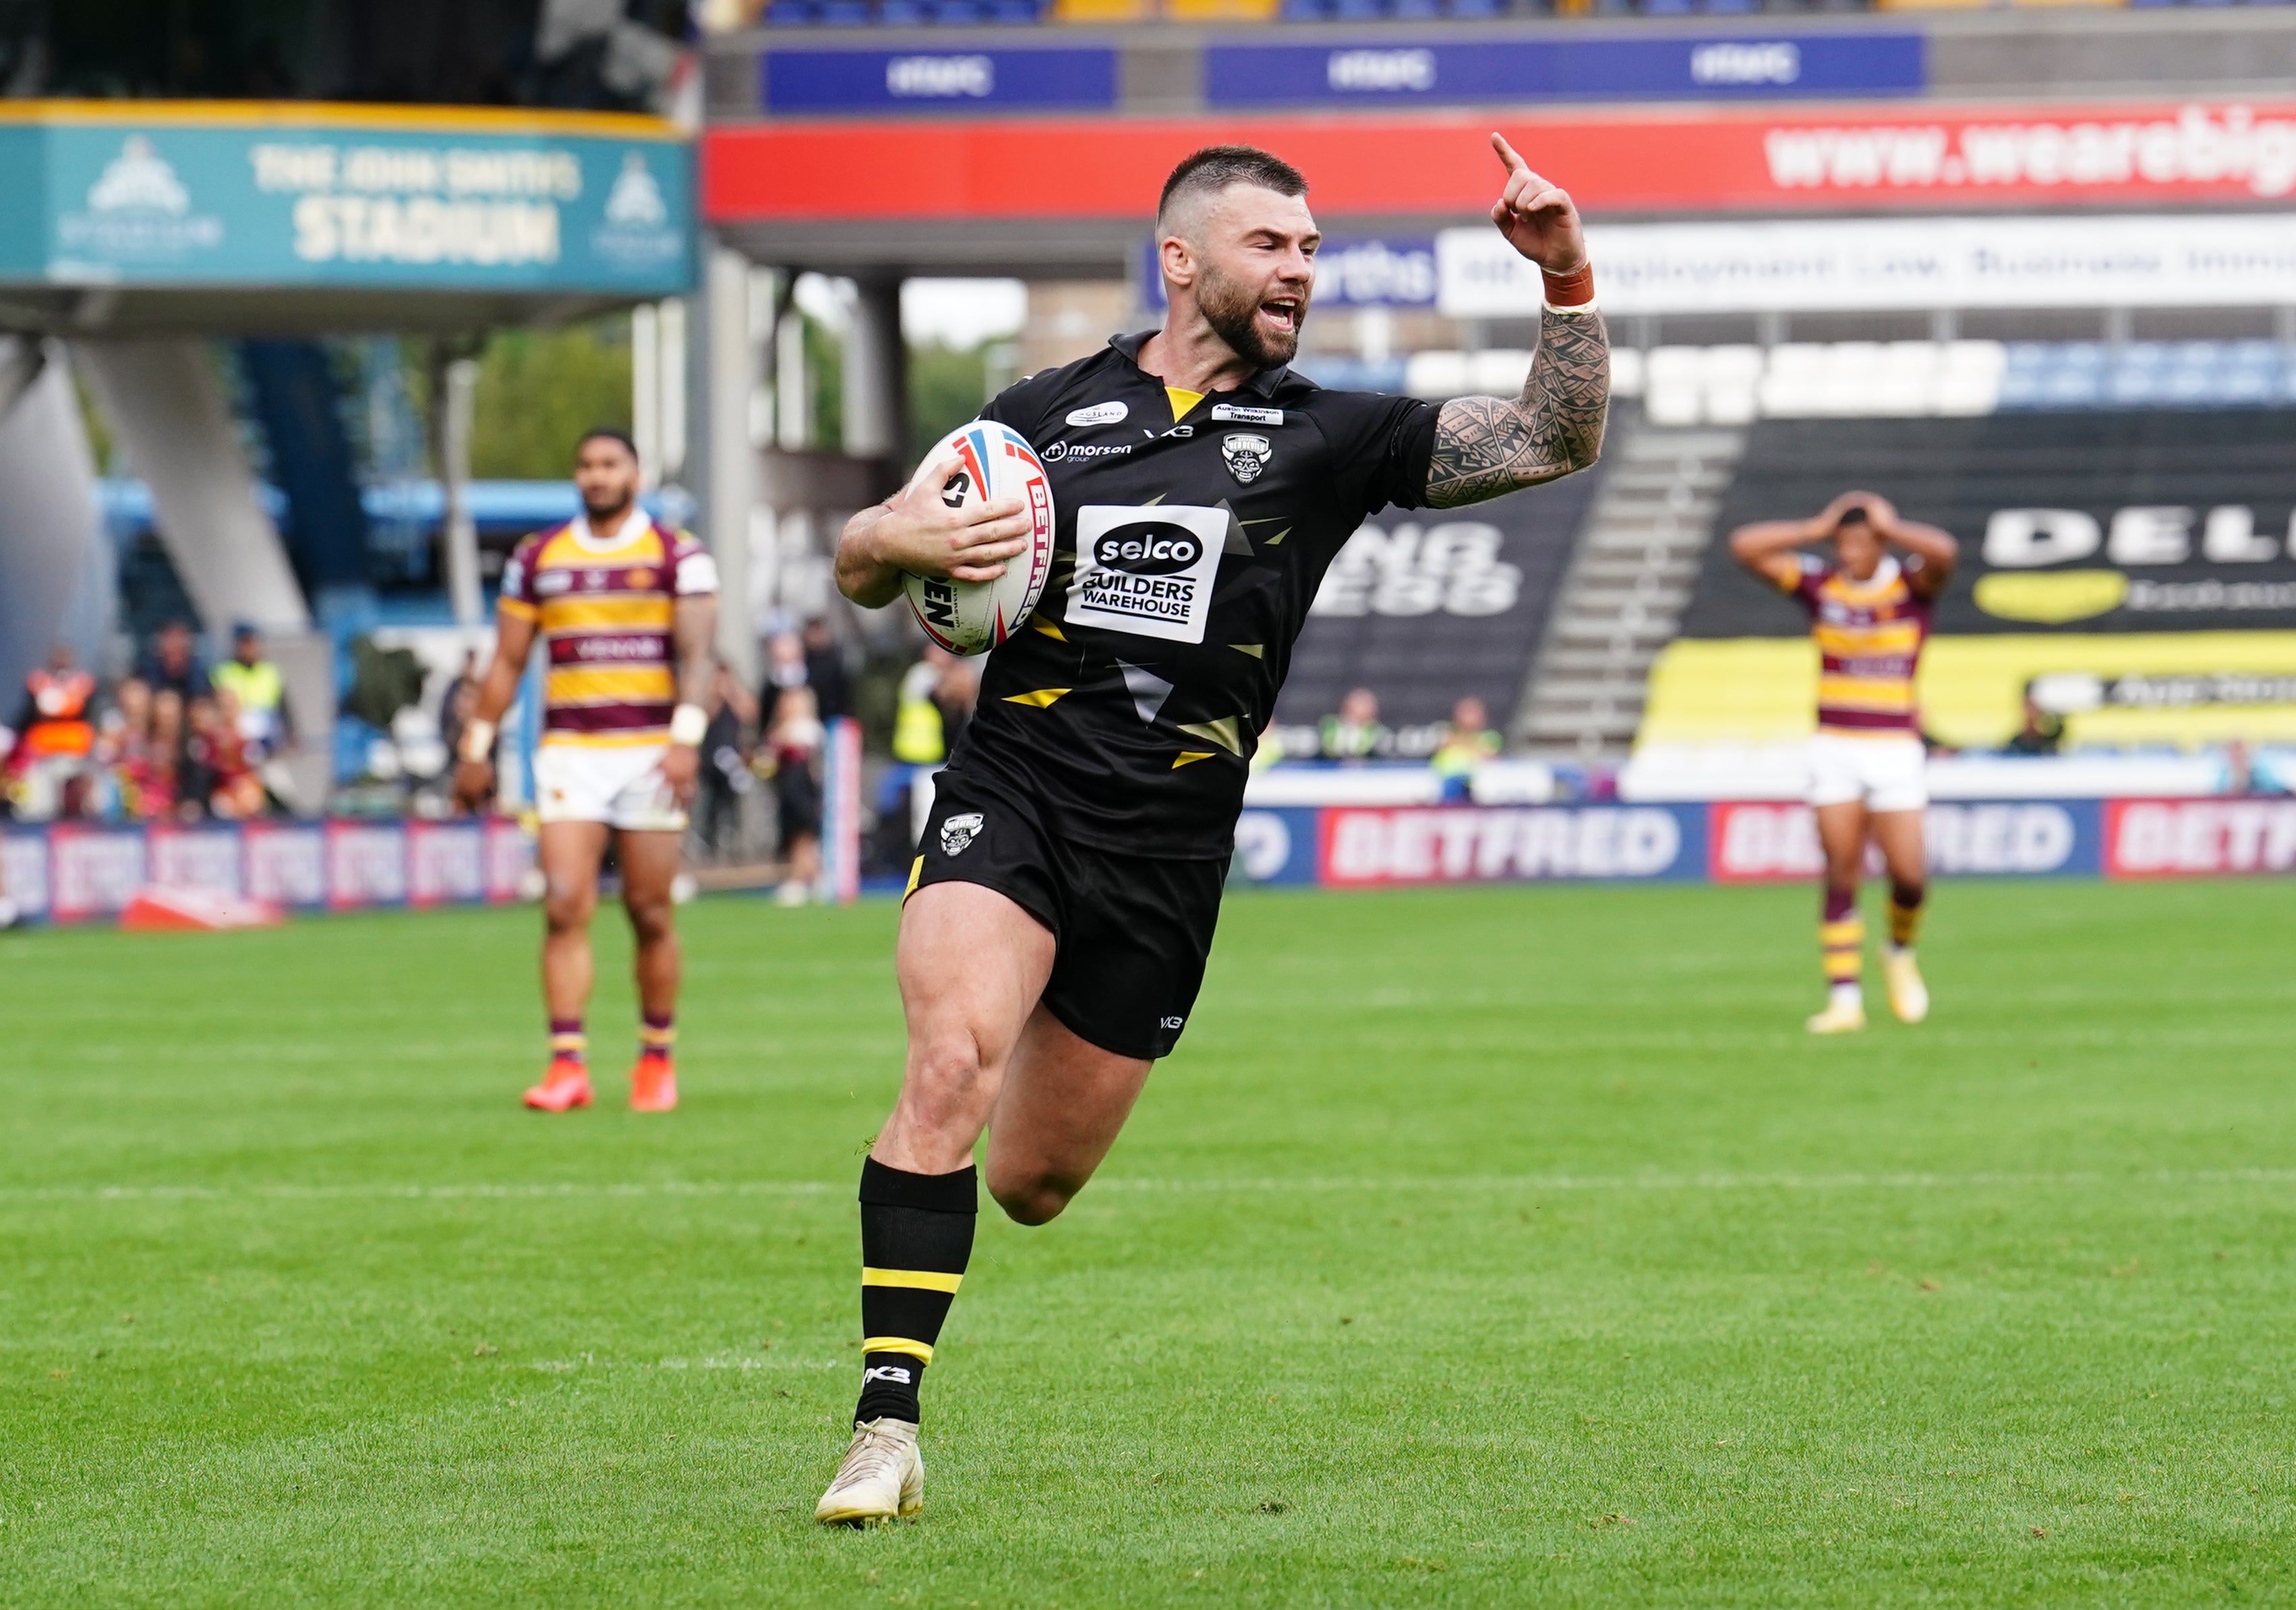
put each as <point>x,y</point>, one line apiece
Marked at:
<point>539,390</point>
<point>946,386</point>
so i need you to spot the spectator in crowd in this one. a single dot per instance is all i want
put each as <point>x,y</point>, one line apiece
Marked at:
<point>1355,733</point>
<point>795,744</point>
<point>217,776</point>
<point>50,744</point>
<point>826,671</point>
<point>455,704</point>
<point>258,693</point>
<point>725,776</point>
<point>161,784</point>
<point>2043,731</point>
<point>920,735</point>
<point>172,664</point>
<point>1468,742</point>
<point>956,695</point>
<point>784,668</point>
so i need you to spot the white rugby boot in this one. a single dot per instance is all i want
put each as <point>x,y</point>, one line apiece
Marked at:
<point>1844,1014</point>
<point>882,1478</point>
<point>1909,997</point>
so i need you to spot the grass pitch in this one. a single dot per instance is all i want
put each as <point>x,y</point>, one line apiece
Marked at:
<point>1490,1248</point>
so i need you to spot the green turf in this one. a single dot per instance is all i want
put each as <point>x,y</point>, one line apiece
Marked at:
<point>1491,1247</point>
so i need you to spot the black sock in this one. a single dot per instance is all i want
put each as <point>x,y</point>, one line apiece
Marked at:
<point>916,1236</point>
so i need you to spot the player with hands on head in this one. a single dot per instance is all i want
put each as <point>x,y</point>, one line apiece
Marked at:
<point>1869,604</point>
<point>1063,898</point>
<point>627,612</point>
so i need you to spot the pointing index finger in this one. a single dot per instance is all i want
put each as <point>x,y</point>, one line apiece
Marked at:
<point>1507,155</point>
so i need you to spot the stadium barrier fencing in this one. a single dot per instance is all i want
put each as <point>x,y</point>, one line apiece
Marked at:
<point>76,874</point>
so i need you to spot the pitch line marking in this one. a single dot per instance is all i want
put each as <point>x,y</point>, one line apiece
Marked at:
<point>1916,1180</point>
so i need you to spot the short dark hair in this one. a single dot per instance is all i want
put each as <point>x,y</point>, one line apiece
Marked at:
<point>1215,167</point>
<point>606,434</point>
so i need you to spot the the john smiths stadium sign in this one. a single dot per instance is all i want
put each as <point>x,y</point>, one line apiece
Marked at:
<point>307,195</point>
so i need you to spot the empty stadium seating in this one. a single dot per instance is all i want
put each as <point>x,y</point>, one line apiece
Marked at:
<point>1733,385</point>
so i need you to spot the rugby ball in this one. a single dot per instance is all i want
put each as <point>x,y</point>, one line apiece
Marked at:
<point>994,461</point>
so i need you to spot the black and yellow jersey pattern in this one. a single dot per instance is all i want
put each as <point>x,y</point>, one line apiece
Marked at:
<point>1193,537</point>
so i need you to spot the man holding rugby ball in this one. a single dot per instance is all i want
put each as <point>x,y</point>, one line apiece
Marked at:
<point>1059,917</point>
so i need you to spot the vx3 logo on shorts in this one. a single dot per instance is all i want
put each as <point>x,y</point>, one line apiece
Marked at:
<point>886,1372</point>
<point>958,832</point>
<point>1174,1023</point>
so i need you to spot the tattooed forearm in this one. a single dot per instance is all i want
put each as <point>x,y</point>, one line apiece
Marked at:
<point>1487,445</point>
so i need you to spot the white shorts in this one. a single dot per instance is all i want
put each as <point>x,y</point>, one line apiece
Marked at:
<point>619,785</point>
<point>1887,771</point>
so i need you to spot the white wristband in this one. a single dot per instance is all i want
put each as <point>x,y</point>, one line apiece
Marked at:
<point>477,740</point>
<point>688,725</point>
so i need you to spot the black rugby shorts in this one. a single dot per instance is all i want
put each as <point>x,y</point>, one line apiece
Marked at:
<point>1131,932</point>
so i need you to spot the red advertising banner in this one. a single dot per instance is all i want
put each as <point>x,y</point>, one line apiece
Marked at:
<point>1648,160</point>
<point>2184,838</point>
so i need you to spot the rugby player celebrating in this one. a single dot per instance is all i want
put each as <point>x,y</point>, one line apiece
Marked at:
<point>629,612</point>
<point>1059,915</point>
<point>1870,613</point>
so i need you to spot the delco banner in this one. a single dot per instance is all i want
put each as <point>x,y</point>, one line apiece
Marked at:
<point>72,874</point>
<point>303,195</point>
<point>1006,78</point>
<point>1496,72</point>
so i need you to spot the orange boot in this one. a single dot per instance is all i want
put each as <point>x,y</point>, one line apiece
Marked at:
<point>654,1083</point>
<point>566,1086</point>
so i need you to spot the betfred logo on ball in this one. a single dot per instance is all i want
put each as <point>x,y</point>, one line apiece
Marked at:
<point>994,461</point>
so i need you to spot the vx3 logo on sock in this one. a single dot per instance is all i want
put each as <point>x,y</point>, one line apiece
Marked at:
<point>886,1372</point>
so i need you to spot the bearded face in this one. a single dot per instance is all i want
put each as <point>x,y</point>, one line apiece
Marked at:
<point>1260,322</point>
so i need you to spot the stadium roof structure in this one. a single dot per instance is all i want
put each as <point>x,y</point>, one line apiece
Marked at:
<point>127,217</point>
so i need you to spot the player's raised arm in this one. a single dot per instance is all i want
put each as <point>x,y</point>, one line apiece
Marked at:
<point>914,532</point>
<point>1485,447</point>
<point>1935,549</point>
<point>1766,546</point>
<point>474,768</point>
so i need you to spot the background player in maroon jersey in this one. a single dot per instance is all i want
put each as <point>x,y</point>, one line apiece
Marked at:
<point>1869,611</point>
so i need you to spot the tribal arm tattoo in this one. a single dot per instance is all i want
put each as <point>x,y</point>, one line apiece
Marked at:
<point>1485,447</point>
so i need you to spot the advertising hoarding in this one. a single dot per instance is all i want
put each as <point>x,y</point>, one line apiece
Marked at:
<point>298,195</point>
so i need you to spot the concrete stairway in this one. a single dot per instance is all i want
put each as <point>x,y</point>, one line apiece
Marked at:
<point>1623,598</point>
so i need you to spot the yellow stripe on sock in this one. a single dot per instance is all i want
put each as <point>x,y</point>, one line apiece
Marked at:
<point>922,1279</point>
<point>921,1351</point>
<point>1851,931</point>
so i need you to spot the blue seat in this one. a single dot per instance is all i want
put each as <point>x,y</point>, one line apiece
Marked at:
<point>902,13</point>
<point>1731,8</point>
<point>2072,387</point>
<point>1019,13</point>
<point>1667,8</point>
<point>845,13</point>
<point>2244,385</point>
<point>1476,9</point>
<point>2132,386</point>
<point>2079,354</point>
<point>1305,11</point>
<point>1358,11</point>
<point>2189,386</point>
<point>790,13</point>
<point>1415,11</point>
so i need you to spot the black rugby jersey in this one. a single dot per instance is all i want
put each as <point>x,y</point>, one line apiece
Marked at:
<point>1128,705</point>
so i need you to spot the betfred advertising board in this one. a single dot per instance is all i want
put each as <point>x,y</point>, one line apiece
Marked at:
<point>1762,842</point>
<point>1368,846</point>
<point>2199,838</point>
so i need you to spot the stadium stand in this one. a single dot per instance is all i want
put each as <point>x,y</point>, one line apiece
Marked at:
<point>2133,564</point>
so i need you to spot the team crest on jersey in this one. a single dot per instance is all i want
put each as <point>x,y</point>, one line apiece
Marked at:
<point>959,831</point>
<point>595,580</point>
<point>1246,455</point>
<point>641,579</point>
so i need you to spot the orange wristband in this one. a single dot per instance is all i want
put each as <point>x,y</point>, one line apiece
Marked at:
<point>1575,289</point>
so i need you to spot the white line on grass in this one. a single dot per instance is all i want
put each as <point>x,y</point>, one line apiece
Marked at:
<point>1327,1184</point>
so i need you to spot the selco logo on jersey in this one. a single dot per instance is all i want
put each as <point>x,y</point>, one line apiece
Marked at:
<point>1150,550</point>
<point>1148,571</point>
